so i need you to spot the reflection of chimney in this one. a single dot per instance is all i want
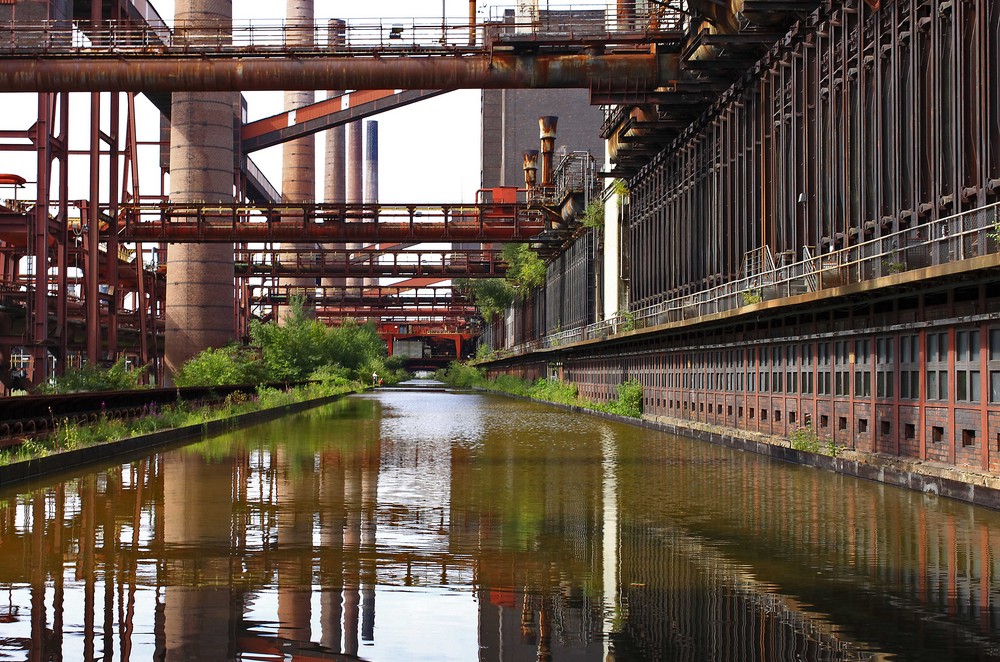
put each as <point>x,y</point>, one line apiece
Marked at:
<point>530,168</point>
<point>371,162</point>
<point>547,134</point>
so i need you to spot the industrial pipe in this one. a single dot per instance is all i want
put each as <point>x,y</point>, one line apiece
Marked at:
<point>547,135</point>
<point>203,72</point>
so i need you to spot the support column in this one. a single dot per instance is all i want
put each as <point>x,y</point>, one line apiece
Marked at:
<point>200,305</point>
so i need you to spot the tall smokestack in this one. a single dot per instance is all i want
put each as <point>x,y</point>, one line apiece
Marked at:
<point>371,162</point>
<point>335,183</point>
<point>355,163</point>
<point>298,161</point>
<point>335,180</point>
<point>371,174</point>
<point>298,167</point>
<point>547,134</point>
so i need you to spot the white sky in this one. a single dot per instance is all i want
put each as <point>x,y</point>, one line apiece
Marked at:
<point>429,151</point>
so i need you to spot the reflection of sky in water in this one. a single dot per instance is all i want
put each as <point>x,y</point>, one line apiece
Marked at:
<point>414,487</point>
<point>408,624</point>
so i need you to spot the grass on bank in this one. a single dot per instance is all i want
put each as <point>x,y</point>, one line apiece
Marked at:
<point>338,359</point>
<point>68,435</point>
<point>628,401</point>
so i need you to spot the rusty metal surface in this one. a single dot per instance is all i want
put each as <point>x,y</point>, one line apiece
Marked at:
<point>196,74</point>
<point>330,223</point>
<point>333,262</point>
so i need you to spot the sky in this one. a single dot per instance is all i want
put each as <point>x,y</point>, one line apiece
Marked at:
<point>429,151</point>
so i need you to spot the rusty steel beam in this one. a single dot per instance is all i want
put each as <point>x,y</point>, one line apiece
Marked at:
<point>398,264</point>
<point>199,73</point>
<point>510,222</point>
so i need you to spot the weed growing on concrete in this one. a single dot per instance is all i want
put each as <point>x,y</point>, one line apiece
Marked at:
<point>832,449</point>
<point>805,439</point>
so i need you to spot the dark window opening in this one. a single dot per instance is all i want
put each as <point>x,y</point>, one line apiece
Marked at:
<point>910,431</point>
<point>968,437</point>
<point>886,427</point>
<point>937,434</point>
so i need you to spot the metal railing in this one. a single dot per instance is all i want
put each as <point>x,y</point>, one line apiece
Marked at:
<point>584,19</point>
<point>963,236</point>
<point>563,22</point>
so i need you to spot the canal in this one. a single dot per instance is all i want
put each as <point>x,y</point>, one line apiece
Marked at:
<point>418,525</point>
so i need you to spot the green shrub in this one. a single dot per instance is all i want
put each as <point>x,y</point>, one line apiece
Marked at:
<point>805,439</point>
<point>91,377</point>
<point>232,364</point>
<point>460,375</point>
<point>593,215</point>
<point>553,390</point>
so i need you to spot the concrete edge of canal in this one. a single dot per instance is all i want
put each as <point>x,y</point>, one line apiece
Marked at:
<point>18,472</point>
<point>966,485</point>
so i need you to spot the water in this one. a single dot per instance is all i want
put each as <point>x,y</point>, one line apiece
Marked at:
<point>443,526</point>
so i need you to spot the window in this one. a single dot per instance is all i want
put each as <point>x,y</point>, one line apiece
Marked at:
<point>967,384</point>
<point>885,428</point>
<point>824,421</point>
<point>862,368</point>
<point>936,360</point>
<point>764,372</point>
<point>791,372</point>
<point>791,417</point>
<point>994,365</point>
<point>842,423</point>
<point>842,374</point>
<point>777,415</point>
<point>937,434</point>
<point>968,438</point>
<point>884,365</point>
<point>910,431</point>
<point>823,368</point>
<point>909,367</point>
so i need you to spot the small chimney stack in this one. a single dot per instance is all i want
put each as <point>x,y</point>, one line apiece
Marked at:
<point>530,168</point>
<point>547,134</point>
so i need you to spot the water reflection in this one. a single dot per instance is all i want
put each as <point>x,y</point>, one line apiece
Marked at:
<point>485,529</point>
